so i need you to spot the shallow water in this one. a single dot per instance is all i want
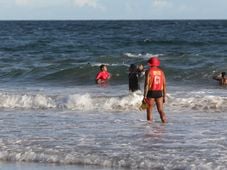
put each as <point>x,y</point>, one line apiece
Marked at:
<point>42,166</point>
<point>115,139</point>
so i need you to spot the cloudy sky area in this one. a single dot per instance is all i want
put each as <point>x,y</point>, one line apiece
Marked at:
<point>112,9</point>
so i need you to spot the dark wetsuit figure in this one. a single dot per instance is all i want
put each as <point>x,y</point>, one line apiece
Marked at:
<point>133,81</point>
<point>133,78</point>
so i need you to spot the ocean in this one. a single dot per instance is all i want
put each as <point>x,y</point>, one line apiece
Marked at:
<point>53,115</point>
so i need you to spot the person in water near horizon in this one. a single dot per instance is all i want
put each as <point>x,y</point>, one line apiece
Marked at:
<point>155,89</point>
<point>103,75</point>
<point>221,78</point>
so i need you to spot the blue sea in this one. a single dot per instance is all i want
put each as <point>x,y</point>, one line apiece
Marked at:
<point>53,114</point>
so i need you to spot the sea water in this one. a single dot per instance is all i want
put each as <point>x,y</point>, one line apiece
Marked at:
<point>52,112</point>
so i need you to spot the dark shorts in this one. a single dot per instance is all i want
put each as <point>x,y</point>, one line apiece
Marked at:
<point>154,94</point>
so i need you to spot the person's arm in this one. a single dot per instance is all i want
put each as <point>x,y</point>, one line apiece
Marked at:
<point>98,78</point>
<point>164,88</point>
<point>225,81</point>
<point>109,75</point>
<point>217,77</point>
<point>99,81</point>
<point>146,84</point>
<point>129,82</point>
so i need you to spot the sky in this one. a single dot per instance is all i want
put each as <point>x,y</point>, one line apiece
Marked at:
<point>112,9</point>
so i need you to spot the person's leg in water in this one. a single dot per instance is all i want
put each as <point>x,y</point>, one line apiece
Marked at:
<point>149,109</point>
<point>159,105</point>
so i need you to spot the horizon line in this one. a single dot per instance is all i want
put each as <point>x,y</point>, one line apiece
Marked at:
<point>112,19</point>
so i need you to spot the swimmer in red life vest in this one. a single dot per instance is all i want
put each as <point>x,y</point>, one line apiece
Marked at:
<point>103,75</point>
<point>155,89</point>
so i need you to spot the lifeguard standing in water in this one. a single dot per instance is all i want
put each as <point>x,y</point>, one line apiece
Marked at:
<point>103,75</point>
<point>155,89</point>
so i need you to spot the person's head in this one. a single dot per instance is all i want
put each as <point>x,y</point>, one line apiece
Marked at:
<point>140,67</point>
<point>223,74</point>
<point>103,67</point>
<point>132,68</point>
<point>154,62</point>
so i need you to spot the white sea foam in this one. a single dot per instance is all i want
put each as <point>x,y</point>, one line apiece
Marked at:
<point>109,64</point>
<point>72,101</point>
<point>143,56</point>
<point>209,100</point>
<point>83,102</point>
<point>118,160</point>
<point>98,64</point>
<point>26,101</point>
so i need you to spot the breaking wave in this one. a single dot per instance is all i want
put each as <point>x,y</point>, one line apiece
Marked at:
<point>86,102</point>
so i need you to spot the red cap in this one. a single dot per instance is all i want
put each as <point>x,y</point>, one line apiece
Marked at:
<point>154,61</point>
